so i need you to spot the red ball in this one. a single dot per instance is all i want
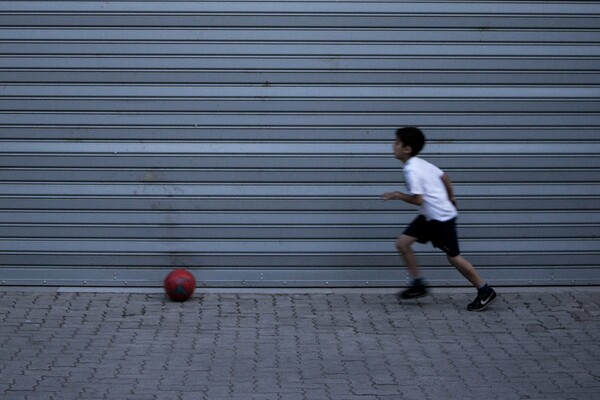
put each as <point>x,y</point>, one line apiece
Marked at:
<point>179,285</point>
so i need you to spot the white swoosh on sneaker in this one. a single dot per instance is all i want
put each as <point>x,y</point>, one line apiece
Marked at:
<point>489,299</point>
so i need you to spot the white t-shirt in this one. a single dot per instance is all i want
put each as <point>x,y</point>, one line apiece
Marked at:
<point>425,179</point>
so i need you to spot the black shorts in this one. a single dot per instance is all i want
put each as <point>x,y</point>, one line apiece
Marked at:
<point>441,234</point>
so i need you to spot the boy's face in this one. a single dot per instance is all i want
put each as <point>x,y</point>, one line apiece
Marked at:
<point>402,152</point>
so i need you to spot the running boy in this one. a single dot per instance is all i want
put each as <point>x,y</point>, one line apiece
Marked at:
<point>431,189</point>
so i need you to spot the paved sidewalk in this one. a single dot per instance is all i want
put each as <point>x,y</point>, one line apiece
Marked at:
<point>343,345</point>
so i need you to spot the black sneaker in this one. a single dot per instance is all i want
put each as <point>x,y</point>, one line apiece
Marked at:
<point>413,292</point>
<point>482,301</point>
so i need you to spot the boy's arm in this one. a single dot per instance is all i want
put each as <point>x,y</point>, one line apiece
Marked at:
<point>415,199</point>
<point>448,184</point>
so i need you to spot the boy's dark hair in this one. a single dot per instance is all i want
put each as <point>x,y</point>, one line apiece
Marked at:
<point>413,137</point>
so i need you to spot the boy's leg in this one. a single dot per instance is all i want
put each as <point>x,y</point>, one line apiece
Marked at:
<point>445,237</point>
<point>467,270</point>
<point>404,246</point>
<point>485,294</point>
<point>418,287</point>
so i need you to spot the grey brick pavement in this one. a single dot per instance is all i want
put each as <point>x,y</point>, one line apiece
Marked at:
<point>343,345</point>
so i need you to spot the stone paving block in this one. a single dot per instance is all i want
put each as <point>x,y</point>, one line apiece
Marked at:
<point>41,395</point>
<point>17,395</point>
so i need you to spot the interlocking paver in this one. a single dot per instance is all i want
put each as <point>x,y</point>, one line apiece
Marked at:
<point>536,344</point>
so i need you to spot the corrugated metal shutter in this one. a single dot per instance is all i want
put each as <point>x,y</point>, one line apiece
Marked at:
<point>250,141</point>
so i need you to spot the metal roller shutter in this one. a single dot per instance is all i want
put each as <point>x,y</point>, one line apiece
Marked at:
<point>249,141</point>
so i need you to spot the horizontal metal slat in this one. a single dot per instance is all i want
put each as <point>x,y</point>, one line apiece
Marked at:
<point>300,20</point>
<point>399,215</point>
<point>310,262</point>
<point>488,203</point>
<point>330,7</point>
<point>314,106</point>
<point>281,232</point>
<point>294,148</point>
<point>379,276</point>
<point>199,34</point>
<point>300,77</point>
<point>380,162</point>
<point>442,134</point>
<point>227,63</point>
<point>178,92</point>
<point>280,247</point>
<point>295,49</point>
<point>298,190</point>
<point>284,175</point>
<point>295,120</point>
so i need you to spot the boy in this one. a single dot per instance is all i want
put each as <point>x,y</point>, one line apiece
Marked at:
<point>431,189</point>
